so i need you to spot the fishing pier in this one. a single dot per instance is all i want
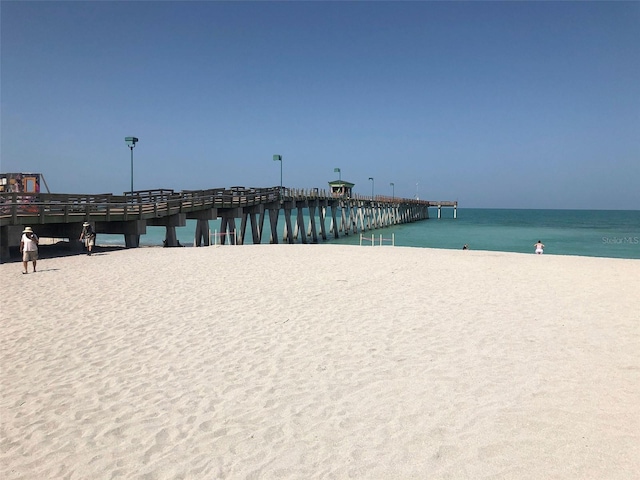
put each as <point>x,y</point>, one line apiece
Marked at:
<point>306,212</point>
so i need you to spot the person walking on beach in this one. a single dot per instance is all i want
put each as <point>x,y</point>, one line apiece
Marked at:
<point>29,249</point>
<point>539,247</point>
<point>89,236</point>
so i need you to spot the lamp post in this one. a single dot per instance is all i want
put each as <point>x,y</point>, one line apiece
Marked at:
<point>372,184</point>
<point>339,173</point>
<point>131,142</point>
<point>393,191</point>
<point>278,158</point>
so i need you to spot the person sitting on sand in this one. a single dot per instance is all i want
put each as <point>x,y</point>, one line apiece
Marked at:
<point>539,247</point>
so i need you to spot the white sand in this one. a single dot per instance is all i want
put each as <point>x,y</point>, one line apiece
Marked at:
<point>320,361</point>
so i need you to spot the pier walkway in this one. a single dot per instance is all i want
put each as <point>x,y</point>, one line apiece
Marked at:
<point>62,215</point>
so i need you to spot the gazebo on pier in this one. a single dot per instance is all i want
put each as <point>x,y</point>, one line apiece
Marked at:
<point>340,188</point>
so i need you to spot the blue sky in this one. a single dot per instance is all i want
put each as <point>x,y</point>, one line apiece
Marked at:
<point>495,104</point>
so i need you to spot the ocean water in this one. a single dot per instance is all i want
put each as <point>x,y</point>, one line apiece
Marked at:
<point>592,233</point>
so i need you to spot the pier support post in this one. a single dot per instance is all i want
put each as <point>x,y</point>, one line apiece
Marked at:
<point>273,222</point>
<point>228,224</point>
<point>258,229</point>
<point>131,240</point>
<point>322,212</point>
<point>312,232</point>
<point>5,232</point>
<point>5,253</point>
<point>300,224</point>
<point>243,229</point>
<point>287,235</point>
<point>202,233</point>
<point>171,239</point>
<point>255,230</point>
<point>132,231</point>
<point>249,216</point>
<point>334,221</point>
<point>170,223</point>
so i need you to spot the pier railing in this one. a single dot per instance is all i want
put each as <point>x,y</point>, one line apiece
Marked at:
<point>139,204</point>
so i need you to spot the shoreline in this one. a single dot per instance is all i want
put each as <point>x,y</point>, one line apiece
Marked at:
<point>62,249</point>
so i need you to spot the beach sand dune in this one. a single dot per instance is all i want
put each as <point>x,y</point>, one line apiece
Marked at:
<point>320,361</point>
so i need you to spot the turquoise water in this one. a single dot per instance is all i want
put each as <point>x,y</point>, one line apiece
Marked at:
<point>593,233</point>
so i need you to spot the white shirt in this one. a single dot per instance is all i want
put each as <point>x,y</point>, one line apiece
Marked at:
<point>29,244</point>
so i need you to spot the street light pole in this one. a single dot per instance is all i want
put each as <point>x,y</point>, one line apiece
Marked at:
<point>131,142</point>
<point>372,184</point>
<point>393,191</point>
<point>278,158</point>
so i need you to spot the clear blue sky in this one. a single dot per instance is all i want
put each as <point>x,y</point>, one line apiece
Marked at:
<point>496,104</point>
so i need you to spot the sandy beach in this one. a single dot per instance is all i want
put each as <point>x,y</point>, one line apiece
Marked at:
<point>320,361</point>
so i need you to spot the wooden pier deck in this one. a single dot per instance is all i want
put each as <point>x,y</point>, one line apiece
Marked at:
<point>61,215</point>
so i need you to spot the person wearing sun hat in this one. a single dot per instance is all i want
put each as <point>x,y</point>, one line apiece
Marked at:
<point>29,249</point>
<point>89,236</point>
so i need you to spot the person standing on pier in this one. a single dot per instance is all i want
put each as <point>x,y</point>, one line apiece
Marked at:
<point>89,236</point>
<point>29,249</point>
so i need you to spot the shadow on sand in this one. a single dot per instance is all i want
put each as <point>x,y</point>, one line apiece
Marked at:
<point>60,249</point>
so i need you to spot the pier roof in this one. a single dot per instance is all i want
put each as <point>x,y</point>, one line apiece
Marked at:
<point>340,183</point>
